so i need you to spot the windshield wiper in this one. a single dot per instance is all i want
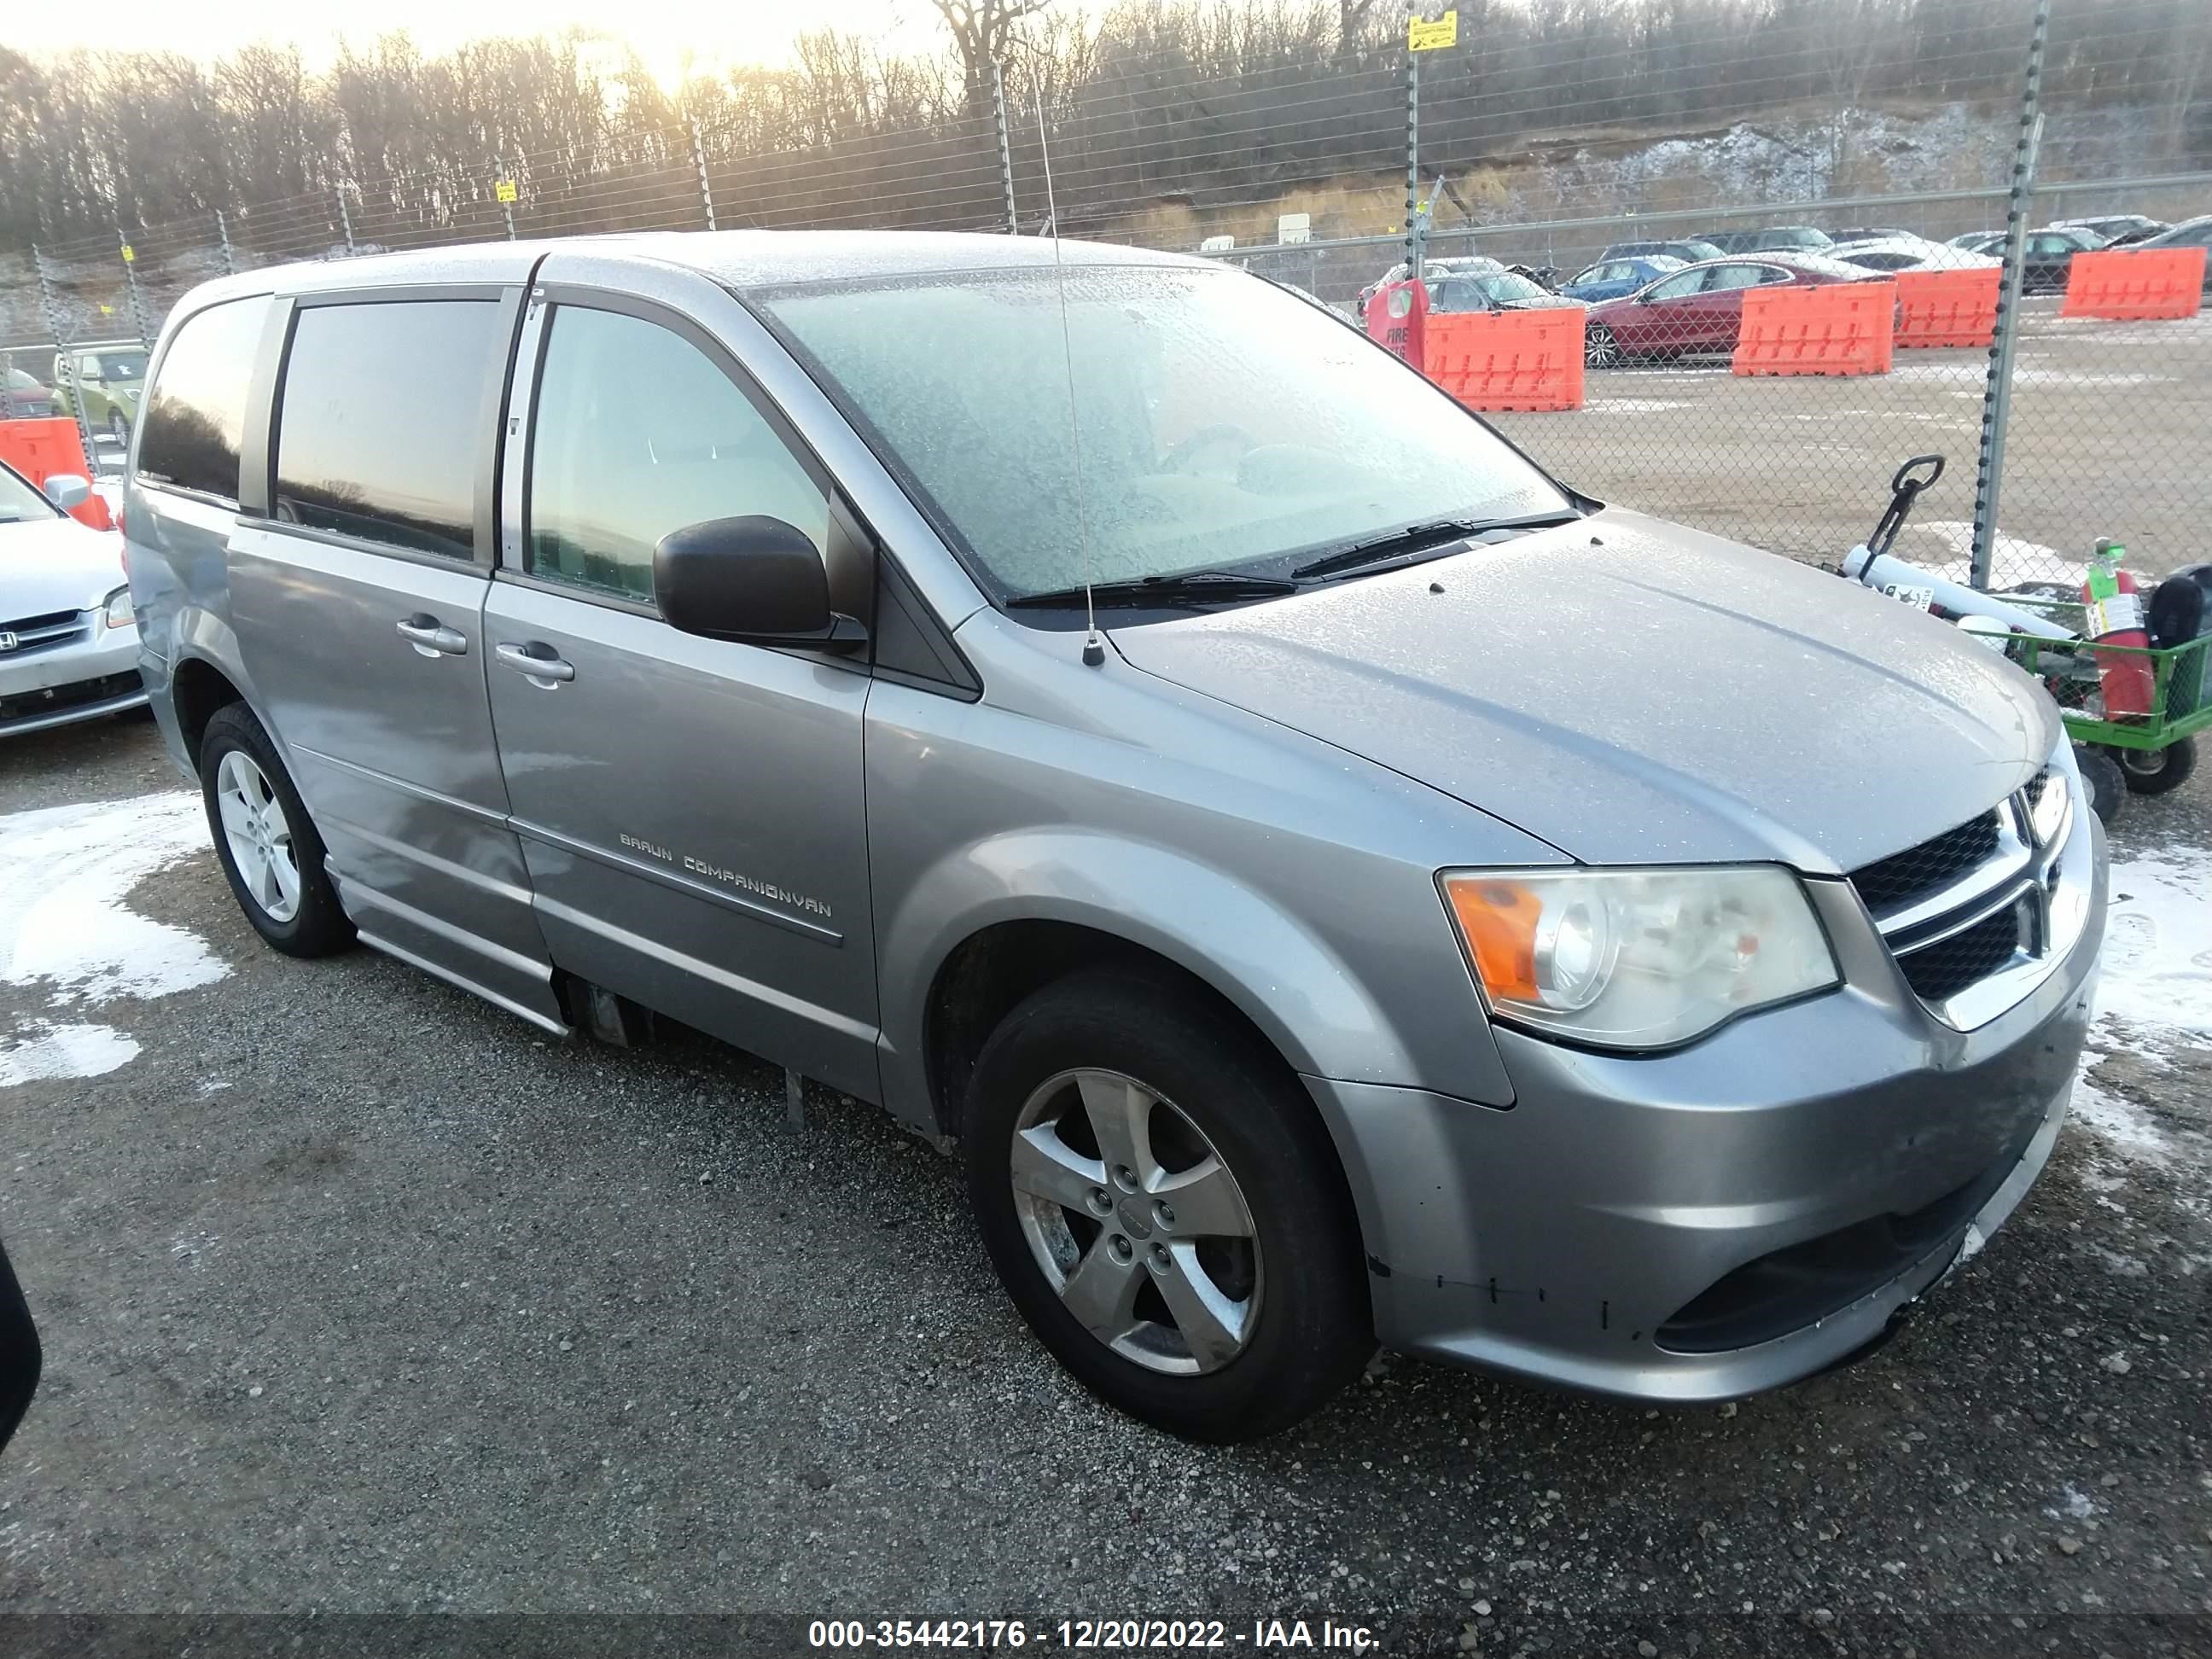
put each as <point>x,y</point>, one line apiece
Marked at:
<point>1421,537</point>
<point>1191,587</point>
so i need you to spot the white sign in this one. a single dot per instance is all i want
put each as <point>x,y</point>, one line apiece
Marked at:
<point>1294,228</point>
<point>1216,245</point>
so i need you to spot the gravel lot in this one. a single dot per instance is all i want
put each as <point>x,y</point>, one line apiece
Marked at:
<point>360,1297</point>
<point>2110,428</point>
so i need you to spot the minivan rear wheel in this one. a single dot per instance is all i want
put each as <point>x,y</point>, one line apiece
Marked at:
<point>1165,1209</point>
<point>267,844</point>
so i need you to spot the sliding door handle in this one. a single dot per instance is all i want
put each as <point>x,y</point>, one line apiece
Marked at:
<point>534,660</point>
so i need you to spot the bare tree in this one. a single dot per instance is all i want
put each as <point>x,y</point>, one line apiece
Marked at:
<point>981,30</point>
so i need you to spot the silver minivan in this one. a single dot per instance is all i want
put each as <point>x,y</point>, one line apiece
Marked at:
<point>1334,881</point>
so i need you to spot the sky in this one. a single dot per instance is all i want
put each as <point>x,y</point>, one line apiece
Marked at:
<point>714,34</point>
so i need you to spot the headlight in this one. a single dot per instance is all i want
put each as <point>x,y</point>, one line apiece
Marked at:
<point>117,612</point>
<point>1637,958</point>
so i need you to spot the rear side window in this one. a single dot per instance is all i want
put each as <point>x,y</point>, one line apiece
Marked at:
<point>195,418</point>
<point>378,436</point>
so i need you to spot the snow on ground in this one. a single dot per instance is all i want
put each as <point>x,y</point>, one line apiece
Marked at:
<point>42,1048</point>
<point>2012,560</point>
<point>66,927</point>
<point>2156,996</point>
<point>2158,943</point>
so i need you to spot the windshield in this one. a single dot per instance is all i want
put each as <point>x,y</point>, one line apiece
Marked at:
<point>1481,293</point>
<point>1221,423</point>
<point>122,365</point>
<point>19,500</point>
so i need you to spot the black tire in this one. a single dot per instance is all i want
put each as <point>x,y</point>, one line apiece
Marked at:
<point>1313,1330</point>
<point>2102,777</point>
<point>118,426</point>
<point>2154,771</point>
<point>319,928</point>
<point>1600,350</point>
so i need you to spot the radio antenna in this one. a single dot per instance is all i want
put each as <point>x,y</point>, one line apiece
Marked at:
<point>1093,649</point>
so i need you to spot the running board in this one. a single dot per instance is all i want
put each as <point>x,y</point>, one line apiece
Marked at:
<point>463,983</point>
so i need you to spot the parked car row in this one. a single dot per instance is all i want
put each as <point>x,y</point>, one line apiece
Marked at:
<point>106,380</point>
<point>1685,297</point>
<point>1698,310</point>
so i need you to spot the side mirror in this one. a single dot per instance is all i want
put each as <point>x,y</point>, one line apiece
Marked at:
<point>758,579</point>
<point>67,490</point>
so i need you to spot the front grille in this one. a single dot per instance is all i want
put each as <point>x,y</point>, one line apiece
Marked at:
<point>35,634</point>
<point>1960,907</point>
<point>1939,971</point>
<point>1889,883</point>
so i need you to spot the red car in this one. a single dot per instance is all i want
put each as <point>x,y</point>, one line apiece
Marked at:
<point>1696,311</point>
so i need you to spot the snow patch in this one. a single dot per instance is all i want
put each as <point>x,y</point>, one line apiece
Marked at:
<point>2158,944</point>
<point>65,926</point>
<point>2012,560</point>
<point>2156,993</point>
<point>2072,1505</point>
<point>42,1050</point>
<point>2123,1126</point>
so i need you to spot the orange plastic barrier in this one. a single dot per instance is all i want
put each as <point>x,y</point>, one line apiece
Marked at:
<point>2134,284</point>
<point>1947,307</point>
<point>1508,359</point>
<point>1835,328</point>
<point>39,449</point>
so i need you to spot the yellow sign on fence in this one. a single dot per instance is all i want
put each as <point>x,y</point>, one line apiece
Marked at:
<point>129,254</point>
<point>504,190</point>
<point>1422,35</point>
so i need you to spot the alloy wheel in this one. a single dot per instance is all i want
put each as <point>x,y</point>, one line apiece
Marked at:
<point>1600,349</point>
<point>1136,1222</point>
<point>259,835</point>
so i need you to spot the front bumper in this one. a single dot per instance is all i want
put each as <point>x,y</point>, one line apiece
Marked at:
<point>1639,1226</point>
<point>82,680</point>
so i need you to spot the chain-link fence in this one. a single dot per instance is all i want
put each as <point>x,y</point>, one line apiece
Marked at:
<point>1666,233</point>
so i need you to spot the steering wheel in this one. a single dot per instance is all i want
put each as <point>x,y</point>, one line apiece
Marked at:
<point>1180,458</point>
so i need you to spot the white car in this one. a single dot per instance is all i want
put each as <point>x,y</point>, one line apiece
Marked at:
<point>1910,253</point>
<point>68,639</point>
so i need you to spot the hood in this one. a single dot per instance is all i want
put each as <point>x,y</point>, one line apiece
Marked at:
<point>1632,691</point>
<point>56,564</point>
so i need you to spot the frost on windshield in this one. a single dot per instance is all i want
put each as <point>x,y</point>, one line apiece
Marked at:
<point>1208,420</point>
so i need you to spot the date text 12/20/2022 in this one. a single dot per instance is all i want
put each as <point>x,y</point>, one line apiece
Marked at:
<point>1094,1635</point>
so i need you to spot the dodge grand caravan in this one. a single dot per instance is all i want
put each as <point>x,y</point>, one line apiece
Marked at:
<point>1334,883</point>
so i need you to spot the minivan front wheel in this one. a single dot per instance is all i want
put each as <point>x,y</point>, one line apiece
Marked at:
<point>266,843</point>
<point>1165,1209</point>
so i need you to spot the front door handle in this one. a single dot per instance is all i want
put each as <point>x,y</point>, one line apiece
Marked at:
<point>524,659</point>
<point>432,638</point>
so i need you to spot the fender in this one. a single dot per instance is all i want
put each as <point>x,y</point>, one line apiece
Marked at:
<point>1289,983</point>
